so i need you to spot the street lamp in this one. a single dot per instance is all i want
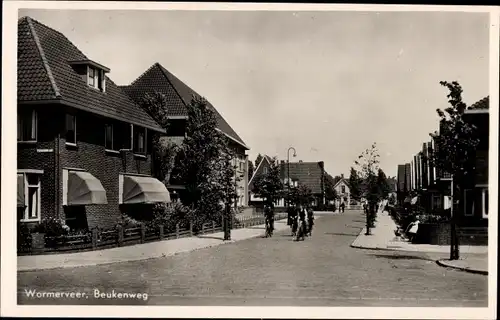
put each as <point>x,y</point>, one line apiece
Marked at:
<point>288,172</point>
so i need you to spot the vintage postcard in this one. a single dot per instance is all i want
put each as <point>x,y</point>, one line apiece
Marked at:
<point>249,160</point>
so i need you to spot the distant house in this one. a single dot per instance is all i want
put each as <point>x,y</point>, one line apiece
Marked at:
<point>262,169</point>
<point>310,174</point>
<point>179,95</point>
<point>343,192</point>
<point>83,146</point>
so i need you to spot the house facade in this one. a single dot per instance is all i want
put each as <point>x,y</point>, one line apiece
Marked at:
<point>343,192</point>
<point>84,147</point>
<point>434,185</point>
<point>158,79</point>
<point>262,169</point>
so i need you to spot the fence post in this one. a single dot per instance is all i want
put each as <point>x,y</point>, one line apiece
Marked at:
<point>161,232</point>
<point>177,230</point>
<point>143,233</point>
<point>119,228</point>
<point>213,226</point>
<point>37,242</point>
<point>94,238</point>
<point>203,228</point>
<point>191,228</point>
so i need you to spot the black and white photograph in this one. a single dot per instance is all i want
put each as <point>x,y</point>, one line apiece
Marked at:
<point>238,155</point>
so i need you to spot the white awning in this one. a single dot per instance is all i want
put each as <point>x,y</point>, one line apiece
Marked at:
<point>143,189</point>
<point>85,189</point>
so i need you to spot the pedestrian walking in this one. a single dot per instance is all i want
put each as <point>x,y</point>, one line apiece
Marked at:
<point>294,221</point>
<point>310,220</point>
<point>301,232</point>
<point>269,216</point>
<point>342,207</point>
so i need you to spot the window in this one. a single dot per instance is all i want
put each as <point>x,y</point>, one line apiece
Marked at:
<point>27,125</point>
<point>70,129</point>
<point>139,140</point>
<point>485,203</point>
<point>343,189</point>
<point>108,137</point>
<point>92,77</point>
<point>96,79</point>
<point>265,170</point>
<point>32,197</point>
<point>468,202</point>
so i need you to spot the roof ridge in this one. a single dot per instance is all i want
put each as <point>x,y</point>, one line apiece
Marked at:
<point>60,33</point>
<point>142,74</point>
<point>162,69</point>
<point>42,56</point>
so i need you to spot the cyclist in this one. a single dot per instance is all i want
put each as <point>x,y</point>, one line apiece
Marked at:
<point>269,215</point>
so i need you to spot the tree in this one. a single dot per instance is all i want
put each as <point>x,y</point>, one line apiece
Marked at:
<point>455,147</point>
<point>205,164</point>
<point>257,161</point>
<point>164,151</point>
<point>251,169</point>
<point>330,192</point>
<point>368,170</point>
<point>383,184</point>
<point>355,185</point>
<point>301,195</point>
<point>269,187</point>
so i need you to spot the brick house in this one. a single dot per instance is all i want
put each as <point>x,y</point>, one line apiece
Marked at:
<point>84,147</point>
<point>179,95</point>
<point>474,207</point>
<point>310,174</point>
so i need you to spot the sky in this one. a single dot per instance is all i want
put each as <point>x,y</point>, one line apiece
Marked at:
<point>328,83</point>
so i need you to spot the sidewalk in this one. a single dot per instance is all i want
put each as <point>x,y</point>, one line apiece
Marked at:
<point>383,238</point>
<point>141,251</point>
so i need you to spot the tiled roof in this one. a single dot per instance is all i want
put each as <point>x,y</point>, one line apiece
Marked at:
<point>306,173</point>
<point>484,103</point>
<point>45,74</point>
<point>159,79</point>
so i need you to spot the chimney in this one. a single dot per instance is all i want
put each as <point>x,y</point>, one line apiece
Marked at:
<point>300,161</point>
<point>282,161</point>
<point>342,175</point>
<point>321,164</point>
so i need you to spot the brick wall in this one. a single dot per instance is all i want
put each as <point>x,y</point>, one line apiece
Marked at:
<point>91,155</point>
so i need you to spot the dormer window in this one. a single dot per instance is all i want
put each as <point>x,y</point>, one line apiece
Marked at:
<point>96,78</point>
<point>93,73</point>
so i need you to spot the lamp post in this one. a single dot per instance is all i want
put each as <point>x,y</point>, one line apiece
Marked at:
<point>288,172</point>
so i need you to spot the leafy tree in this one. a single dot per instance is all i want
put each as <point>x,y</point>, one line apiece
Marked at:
<point>455,146</point>
<point>251,169</point>
<point>383,184</point>
<point>205,166</point>
<point>355,184</point>
<point>330,192</point>
<point>301,195</point>
<point>164,151</point>
<point>257,161</point>
<point>269,187</point>
<point>368,163</point>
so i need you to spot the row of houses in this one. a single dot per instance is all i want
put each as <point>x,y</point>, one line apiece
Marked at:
<point>84,144</point>
<point>310,174</point>
<point>420,181</point>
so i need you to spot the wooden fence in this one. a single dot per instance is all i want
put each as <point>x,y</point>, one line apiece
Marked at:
<point>37,243</point>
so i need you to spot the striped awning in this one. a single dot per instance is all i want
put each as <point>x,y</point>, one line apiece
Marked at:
<point>143,189</point>
<point>85,189</point>
<point>20,190</point>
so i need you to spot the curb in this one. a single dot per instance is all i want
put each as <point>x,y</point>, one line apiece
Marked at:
<point>464,269</point>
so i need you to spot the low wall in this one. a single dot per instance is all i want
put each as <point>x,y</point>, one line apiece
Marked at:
<point>440,234</point>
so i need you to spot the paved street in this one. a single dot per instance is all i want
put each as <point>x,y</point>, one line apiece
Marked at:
<point>321,271</point>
